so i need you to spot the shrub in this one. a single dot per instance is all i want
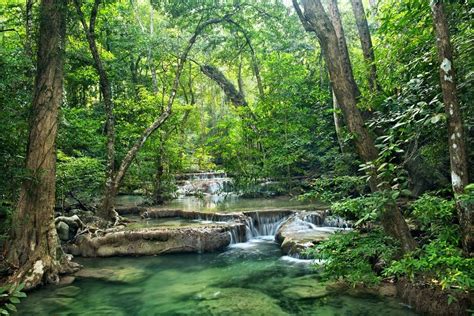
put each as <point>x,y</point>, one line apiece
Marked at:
<point>353,256</point>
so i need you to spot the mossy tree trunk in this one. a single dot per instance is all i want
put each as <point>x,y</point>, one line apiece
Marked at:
<point>34,252</point>
<point>315,19</point>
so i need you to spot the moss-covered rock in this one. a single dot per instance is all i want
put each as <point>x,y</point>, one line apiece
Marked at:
<point>123,275</point>
<point>238,301</point>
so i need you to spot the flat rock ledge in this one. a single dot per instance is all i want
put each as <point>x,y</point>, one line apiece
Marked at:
<point>154,241</point>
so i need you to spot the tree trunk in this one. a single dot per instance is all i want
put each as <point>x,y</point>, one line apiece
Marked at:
<point>34,250</point>
<point>107,209</point>
<point>131,154</point>
<point>335,18</point>
<point>316,20</point>
<point>456,138</point>
<point>158,190</point>
<point>337,123</point>
<point>366,42</point>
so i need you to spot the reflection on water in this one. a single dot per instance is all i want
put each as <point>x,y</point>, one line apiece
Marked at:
<point>222,203</point>
<point>251,279</point>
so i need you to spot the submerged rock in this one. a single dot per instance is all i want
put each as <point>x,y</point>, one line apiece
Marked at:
<point>305,287</point>
<point>238,301</point>
<point>304,292</point>
<point>123,275</point>
<point>68,291</point>
<point>58,302</point>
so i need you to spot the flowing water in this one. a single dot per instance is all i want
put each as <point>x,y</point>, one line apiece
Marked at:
<point>248,278</point>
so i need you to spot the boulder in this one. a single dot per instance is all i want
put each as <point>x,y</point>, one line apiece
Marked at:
<point>63,231</point>
<point>297,233</point>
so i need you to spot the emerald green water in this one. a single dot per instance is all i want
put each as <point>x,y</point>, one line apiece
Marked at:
<point>247,279</point>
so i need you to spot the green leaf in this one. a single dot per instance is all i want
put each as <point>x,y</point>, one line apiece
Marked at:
<point>19,294</point>
<point>11,307</point>
<point>14,300</point>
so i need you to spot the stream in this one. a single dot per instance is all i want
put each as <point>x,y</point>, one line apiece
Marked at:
<point>249,278</point>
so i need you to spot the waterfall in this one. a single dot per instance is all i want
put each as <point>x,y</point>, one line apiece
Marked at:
<point>211,183</point>
<point>264,223</point>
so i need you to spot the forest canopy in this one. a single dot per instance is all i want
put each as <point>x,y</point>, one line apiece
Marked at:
<point>363,105</point>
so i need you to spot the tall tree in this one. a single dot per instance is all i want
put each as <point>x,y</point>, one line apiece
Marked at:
<point>114,178</point>
<point>366,42</point>
<point>456,137</point>
<point>34,250</point>
<point>106,211</point>
<point>315,19</point>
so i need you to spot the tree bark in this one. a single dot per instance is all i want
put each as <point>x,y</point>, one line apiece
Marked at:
<point>107,209</point>
<point>456,137</point>
<point>366,42</point>
<point>335,18</point>
<point>34,250</point>
<point>316,20</point>
<point>337,123</point>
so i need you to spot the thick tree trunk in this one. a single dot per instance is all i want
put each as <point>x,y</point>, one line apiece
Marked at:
<point>316,20</point>
<point>366,42</point>
<point>34,250</point>
<point>335,18</point>
<point>107,209</point>
<point>456,137</point>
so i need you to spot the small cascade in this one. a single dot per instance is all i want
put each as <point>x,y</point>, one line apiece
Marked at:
<point>336,221</point>
<point>211,183</point>
<point>264,223</point>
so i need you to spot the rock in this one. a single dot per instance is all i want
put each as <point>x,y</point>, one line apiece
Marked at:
<point>153,241</point>
<point>238,301</point>
<point>63,231</point>
<point>298,232</point>
<point>66,280</point>
<point>304,292</point>
<point>58,302</point>
<point>387,290</point>
<point>68,291</point>
<point>124,275</point>
<point>305,287</point>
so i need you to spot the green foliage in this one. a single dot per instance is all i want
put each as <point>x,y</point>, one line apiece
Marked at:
<point>333,189</point>
<point>83,177</point>
<point>436,215</point>
<point>10,296</point>
<point>353,256</point>
<point>439,263</point>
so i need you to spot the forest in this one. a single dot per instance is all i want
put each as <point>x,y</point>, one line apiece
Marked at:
<point>244,157</point>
